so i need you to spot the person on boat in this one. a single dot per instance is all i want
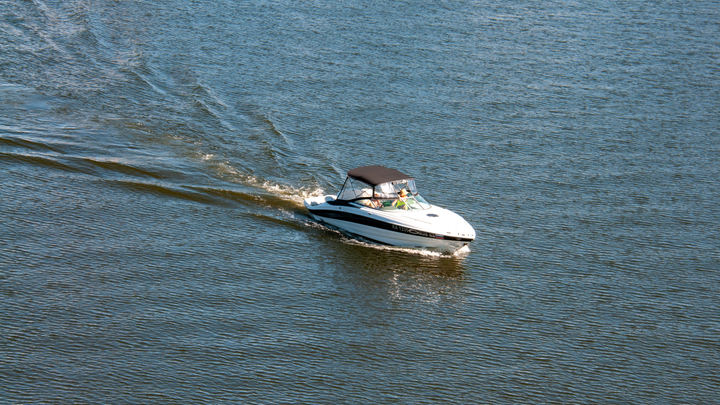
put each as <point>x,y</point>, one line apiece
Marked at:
<point>401,202</point>
<point>374,202</point>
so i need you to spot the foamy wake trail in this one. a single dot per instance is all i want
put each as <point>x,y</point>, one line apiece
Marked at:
<point>293,193</point>
<point>289,193</point>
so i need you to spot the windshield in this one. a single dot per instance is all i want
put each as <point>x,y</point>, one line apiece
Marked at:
<point>394,195</point>
<point>354,189</point>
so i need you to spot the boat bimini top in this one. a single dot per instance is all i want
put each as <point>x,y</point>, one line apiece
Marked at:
<point>381,188</point>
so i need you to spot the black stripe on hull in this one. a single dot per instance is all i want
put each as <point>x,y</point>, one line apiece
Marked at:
<point>375,223</point>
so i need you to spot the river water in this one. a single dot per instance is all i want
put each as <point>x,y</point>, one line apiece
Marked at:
<point>154,156</point>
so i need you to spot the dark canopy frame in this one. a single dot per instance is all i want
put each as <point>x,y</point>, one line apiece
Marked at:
<point>376,174</point>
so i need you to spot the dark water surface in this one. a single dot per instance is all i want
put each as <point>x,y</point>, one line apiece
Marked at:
<point>154,157</point>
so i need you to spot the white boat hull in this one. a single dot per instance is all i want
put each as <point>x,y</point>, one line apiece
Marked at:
<point>393,238</point>
<point>435,229</point>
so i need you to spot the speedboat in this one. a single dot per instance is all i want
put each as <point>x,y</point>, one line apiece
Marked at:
<point>383,205</point>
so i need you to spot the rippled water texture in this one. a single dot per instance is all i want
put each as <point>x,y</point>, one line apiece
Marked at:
<point>154,156</point>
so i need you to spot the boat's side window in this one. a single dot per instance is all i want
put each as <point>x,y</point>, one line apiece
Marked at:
<point>353,193</point>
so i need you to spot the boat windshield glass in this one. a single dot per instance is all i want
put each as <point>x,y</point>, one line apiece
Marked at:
<point>394,195</point>
<point>354,189</point>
